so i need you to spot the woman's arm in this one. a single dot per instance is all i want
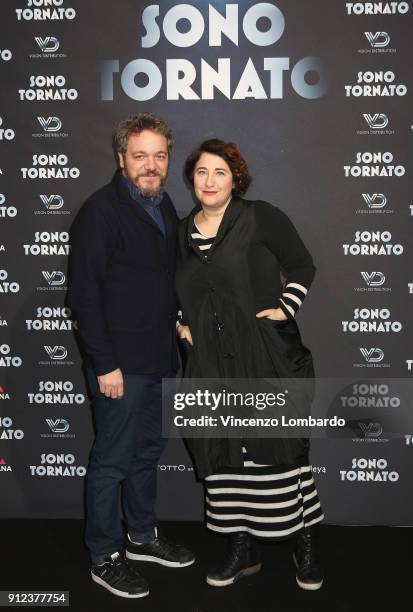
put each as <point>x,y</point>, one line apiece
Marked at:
<point>296,263</point>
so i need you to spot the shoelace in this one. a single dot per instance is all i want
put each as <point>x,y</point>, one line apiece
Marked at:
<point>233,553</point>
<point>309,553</point>
<point>166,545</point>
<point>121,562</point>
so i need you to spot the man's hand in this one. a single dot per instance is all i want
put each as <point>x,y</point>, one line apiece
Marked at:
<point>184,333</point>
<point>276,314</point>
<point>111,384</point>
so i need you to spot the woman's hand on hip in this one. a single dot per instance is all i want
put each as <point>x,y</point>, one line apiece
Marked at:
<point>276,314</point>
<point>184,333</point>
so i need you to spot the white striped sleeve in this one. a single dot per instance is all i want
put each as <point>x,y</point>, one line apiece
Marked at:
<point>292,298</point>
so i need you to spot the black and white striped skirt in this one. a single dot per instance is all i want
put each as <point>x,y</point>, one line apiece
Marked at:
<point>263,500</point>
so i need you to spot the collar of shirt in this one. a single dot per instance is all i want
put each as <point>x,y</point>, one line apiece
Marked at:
<point>136,194</point>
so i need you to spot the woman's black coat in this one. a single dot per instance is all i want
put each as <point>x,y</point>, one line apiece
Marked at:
<point>220,292</point>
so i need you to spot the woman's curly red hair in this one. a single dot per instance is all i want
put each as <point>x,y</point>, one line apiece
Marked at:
<point>229,152</point>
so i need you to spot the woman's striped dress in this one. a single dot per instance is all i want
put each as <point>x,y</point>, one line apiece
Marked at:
<point>267,501</point>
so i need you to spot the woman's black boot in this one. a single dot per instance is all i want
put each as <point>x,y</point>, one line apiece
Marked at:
<point>306,558</point>
<point>243,559</point>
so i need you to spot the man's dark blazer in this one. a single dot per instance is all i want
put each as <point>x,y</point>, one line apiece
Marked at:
<point>122,283</point>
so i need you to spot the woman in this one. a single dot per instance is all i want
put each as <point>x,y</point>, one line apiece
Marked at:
<point>238,322</point>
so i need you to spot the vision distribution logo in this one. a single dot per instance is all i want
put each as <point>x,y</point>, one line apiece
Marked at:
<point>51,128</point>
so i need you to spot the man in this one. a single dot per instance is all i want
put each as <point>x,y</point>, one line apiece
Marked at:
<point>122,294</point>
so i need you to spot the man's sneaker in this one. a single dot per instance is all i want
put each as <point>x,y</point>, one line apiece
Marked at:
<point>117,576</point>
<point>160,550</point>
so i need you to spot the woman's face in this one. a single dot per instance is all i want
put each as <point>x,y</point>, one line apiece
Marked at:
<point>213,182</point>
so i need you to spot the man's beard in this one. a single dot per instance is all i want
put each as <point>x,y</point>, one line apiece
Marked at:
<point>151,193</point>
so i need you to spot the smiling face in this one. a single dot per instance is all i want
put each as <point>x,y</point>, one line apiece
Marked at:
<point>145,162</point>
<point>213,182</point>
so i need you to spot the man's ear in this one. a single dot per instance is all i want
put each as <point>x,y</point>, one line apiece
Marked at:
<point>121,162</point>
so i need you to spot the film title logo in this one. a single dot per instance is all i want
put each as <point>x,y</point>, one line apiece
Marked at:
<point>369,470</point>
<point>6,133</point>
<point>6,431</point>
<point>48,243</point>
<point>371,320</point>
<point>5,55</point>
<point>7,360</point>
<point>376,164</point>
<point>56,392</point>
<point>6,211</point>
<point>60,464</point>
<point>181,74</point>
<point>49,318</point>
<point>370,395</point>
<point>377,8</point>
<point>373,243</point>
<point>7,286</point>
<point>372,84</point>
<point>50,167</point>
<point>48,87</point>
<point>45,10</point>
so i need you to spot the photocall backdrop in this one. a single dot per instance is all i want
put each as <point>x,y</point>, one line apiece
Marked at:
<point>316,95</point>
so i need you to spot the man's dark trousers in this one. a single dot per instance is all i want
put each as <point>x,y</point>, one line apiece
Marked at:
<point>125,454</point>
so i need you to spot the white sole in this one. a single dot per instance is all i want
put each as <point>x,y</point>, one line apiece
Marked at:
<point>249,571</point>
<point>116,591</point>
<point>314,586</point>
<point>150,559</point>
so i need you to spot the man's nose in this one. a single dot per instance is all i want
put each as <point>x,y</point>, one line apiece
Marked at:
<point>150,163</point>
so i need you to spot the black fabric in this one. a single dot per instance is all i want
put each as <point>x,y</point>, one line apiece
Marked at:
<point>121,283</point>
<point>220,293</point>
